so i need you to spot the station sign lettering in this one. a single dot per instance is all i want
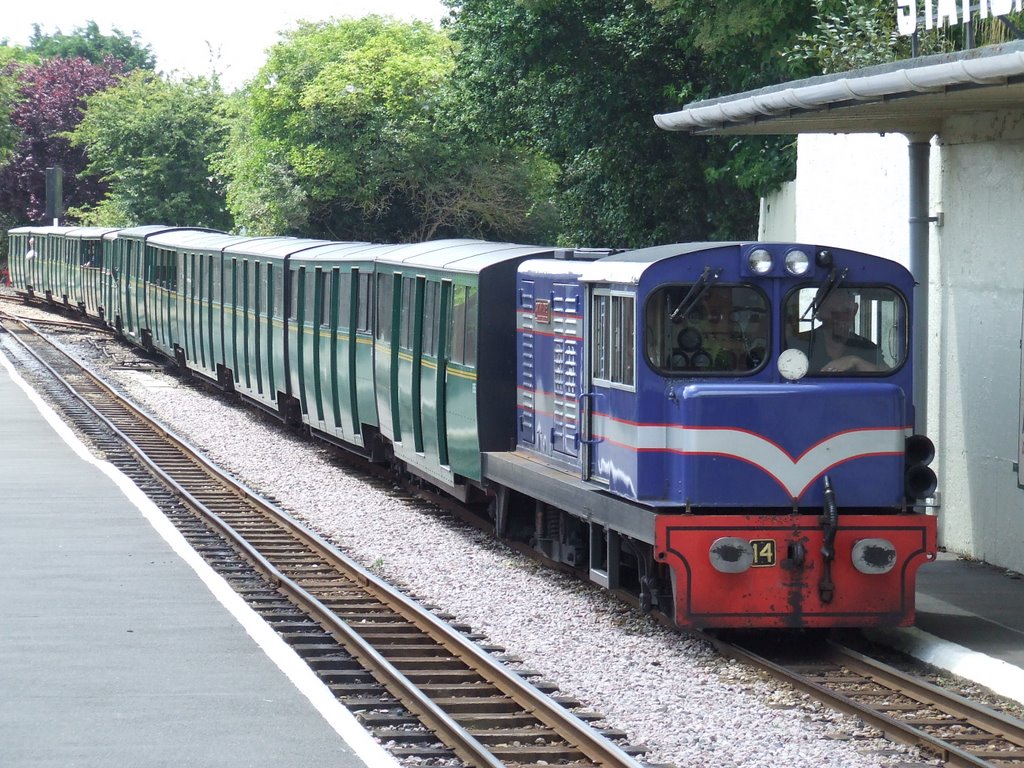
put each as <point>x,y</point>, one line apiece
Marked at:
<point>947,13</point>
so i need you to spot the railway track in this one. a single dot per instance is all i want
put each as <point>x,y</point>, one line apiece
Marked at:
<point>905,708</point>
<point>957,731</point>
<point>425,689</point>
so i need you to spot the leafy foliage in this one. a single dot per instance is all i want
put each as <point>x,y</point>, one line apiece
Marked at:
<point>579,80</point>
<point>92,45</point>
<point>9,134</point>
<point>351,132</point>
<point>50,102</point>
<point>262,191</point>
<point>850,34</point>
<point>150,140</point>
<point>739,42</point>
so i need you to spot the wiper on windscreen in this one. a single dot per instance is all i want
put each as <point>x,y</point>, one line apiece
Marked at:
<point>835,277</point>
<point>697,290</point>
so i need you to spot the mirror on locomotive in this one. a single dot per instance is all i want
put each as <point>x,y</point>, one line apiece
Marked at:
<point>722,329</point>
<point>857,330</point>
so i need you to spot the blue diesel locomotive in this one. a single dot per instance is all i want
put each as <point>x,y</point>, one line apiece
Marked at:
<point>722,430</point>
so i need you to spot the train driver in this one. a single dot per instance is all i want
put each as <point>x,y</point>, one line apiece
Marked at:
<point>834,347</point>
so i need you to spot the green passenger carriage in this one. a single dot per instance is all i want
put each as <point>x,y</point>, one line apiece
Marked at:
<point>35,260</point>
<point>138,277</point>
<point>328,342</point>
<point>88,268</point>
<point>442,393</point>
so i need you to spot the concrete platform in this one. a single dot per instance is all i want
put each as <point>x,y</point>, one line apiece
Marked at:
<point>970,621</point>
<point>118,645</point>
<point>158,662</point>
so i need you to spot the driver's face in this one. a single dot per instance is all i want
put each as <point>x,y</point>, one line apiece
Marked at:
<point>839,320</point>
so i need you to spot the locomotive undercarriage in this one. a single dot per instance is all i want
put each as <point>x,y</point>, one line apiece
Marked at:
<point>587,547</point>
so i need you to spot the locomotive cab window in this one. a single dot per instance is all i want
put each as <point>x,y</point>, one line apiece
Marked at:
<point>851,331</point>
<point>614,339</point>
<point>700,330</point>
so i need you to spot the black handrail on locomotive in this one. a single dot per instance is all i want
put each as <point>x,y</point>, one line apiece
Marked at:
<point>829,525</point>
<point>697,290</point>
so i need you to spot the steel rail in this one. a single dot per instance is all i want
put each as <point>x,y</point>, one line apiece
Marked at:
<point>1008,728</point>
<point>595,747</point>
<point>462,743</point>
<point>890,726</point>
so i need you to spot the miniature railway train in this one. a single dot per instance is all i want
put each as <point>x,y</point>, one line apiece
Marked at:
<point>723,430</point>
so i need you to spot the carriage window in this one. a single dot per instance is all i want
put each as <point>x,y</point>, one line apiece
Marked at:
<point>384,306</point>
<point>407,323</point>
<point>325,297</point>
<point>471,326</point>
<point>230,296</point>
<point>431,320</point>
<point>364,304</point>
<point>344,297</point>
<point>457,343</point>
<point>294,278</point>
<point>724,330</point>
<point>312,286</point>
<point>90,253</point>
<point>215,277</point>
<point>256,308</point>
<point>857,330</point>
<point>166,269</point>
<point>462,327</point>
<point>614,339</point>
<point>278,293</point>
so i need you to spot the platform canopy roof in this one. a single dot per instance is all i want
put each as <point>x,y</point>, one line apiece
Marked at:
<point>912,96</point>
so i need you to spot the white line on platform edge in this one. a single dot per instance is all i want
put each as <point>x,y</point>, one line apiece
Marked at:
<point>284,657</point>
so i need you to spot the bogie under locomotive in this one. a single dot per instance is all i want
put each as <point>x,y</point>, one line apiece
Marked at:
<point>724,430</point>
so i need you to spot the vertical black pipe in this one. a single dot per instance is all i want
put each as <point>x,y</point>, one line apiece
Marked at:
<point>920,146</point>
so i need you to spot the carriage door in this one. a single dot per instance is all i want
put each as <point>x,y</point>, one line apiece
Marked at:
<point>610,385</point>
<point>567,358</point>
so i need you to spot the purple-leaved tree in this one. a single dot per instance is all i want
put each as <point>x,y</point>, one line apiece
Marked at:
<point>52,95</point>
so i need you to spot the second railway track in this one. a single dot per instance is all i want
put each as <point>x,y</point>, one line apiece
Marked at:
<point>421,686</point>
<point>958,731</point>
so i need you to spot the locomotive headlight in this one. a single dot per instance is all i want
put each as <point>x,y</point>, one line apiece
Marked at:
<point>731,554</point>
<point>797,263</point>
<point>874,556</point>
<point>760,261</point>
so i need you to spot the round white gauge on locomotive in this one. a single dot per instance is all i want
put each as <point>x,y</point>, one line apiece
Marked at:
<point>793,364</point>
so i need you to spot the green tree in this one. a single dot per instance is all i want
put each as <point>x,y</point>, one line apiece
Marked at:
<point>262,190</point>
<point>739,42</point>
<point>151,141</point>
<point>91,44</point>
<point>351,132</point>
<point>580,81</point>
<point>8,97</point>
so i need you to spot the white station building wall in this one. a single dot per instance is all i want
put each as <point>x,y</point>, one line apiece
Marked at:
<point>852,191</point>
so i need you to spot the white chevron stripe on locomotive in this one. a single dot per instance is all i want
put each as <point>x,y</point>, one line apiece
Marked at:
<point>793,474</point>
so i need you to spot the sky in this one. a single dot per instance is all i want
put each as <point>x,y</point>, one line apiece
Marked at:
<point>182,33</point>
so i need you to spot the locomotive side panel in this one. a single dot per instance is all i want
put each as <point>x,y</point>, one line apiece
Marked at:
<point>550,359</point>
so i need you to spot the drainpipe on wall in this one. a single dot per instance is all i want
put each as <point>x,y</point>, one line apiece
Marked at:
<point>920,147</point>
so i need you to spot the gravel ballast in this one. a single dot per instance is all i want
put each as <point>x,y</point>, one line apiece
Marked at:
<point>669,691</point>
